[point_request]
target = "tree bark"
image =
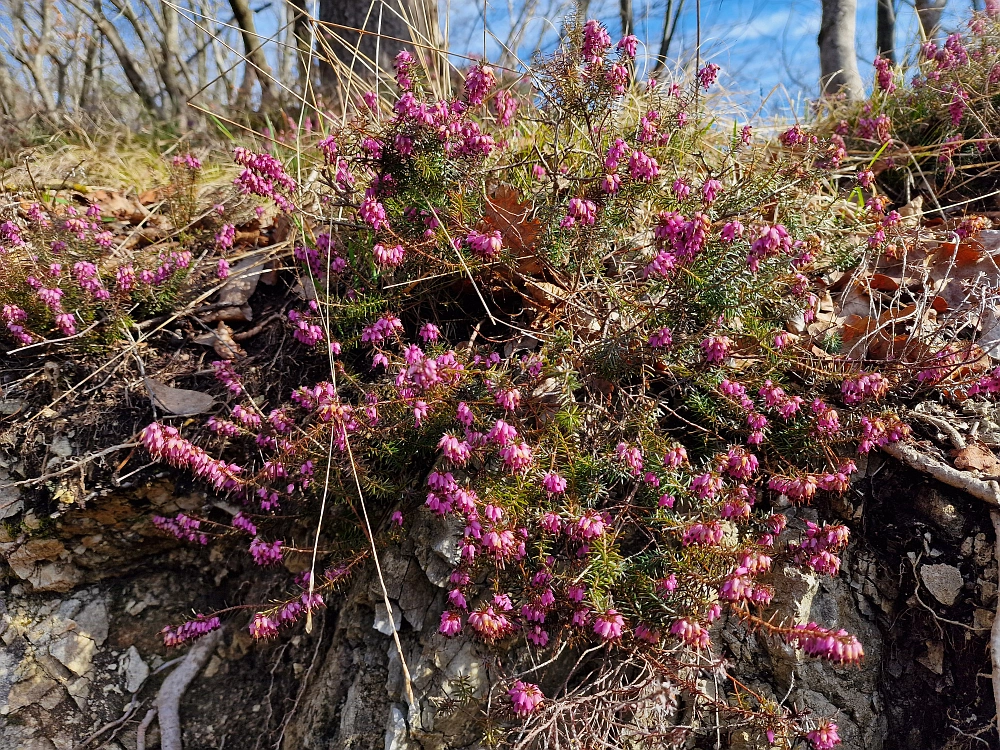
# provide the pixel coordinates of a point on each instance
(253, 47)
(670, 20)
(885, 30)
(837, 57)
(129, 66)
(388, 27)
(626, 15)
(929, 13)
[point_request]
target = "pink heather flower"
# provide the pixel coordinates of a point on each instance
(451, 623)
(508, 399)
(388, 256)
(616, 152)
(617, 77)
(489, 624)
(538, 172)
(464, 414)
(429, 332)
(675, 457)
(478, 84)
(485, 245)
(883, 75)
(824, 737)
(373, 213)
(222, 269)
(715, 348)
(225, 237)
(628, 45)
(668, 584)
(666, 501)
(551, 522)
(455, 450)
(703, 534)
(864, 386)
(710, 190)
(580, 210)
(866, 178)
(643, 167)
(596, 41)
(661, 339)
(691, 632)
(525, 697)
(517, 457)
(591, 525)
(66, 323)
(681, 188)
(837, 646)
(457, 599)
(708, 75)
(403, 65)
(189, 631)
(553, 483)
(957, 107)
(420, 410)
(647, 634)
(609, 625)
(397, 518)
(502, 433)
(506, 105)
(264, 553)
(732, 231)
(746, 135)
(611, 183)
(631, 456)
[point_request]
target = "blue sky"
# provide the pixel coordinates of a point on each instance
(760, 44)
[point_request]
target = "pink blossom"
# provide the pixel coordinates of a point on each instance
(608, 625)
(525, 697)
(388, 256)
(596, 41)
(485, 245)
(824, 737)
(661, 339)
(691, 632)
(451, 623)
(628, 45)
(478, 83)
(715, 348)
(643, 167)
(553, 483)
(708, 75)
(710, 190)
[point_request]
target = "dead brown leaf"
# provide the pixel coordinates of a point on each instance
(976, 457)
(180, 401)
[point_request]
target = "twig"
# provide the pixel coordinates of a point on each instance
(986, 490)
(168, 700)
(995, 631)
(110, 725)
(140, 732)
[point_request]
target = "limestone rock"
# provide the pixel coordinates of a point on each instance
(943, 581)
(134, 668)
(74, 651)
(382, 623)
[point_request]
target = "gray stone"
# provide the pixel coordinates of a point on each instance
(75, 651)
(396, 734)
(93, 621)
(10, 500)
(135, 669)
(382, 623)
(31, 692)
(943, 581)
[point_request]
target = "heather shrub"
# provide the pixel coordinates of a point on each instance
(571, 317)
(935, 135)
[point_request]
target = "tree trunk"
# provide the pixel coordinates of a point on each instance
(670, 19)
(885, 30)
(303, 40)
(837, 58)
(253, 47)
(626, 14)
(388, 26)
(929, 13)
